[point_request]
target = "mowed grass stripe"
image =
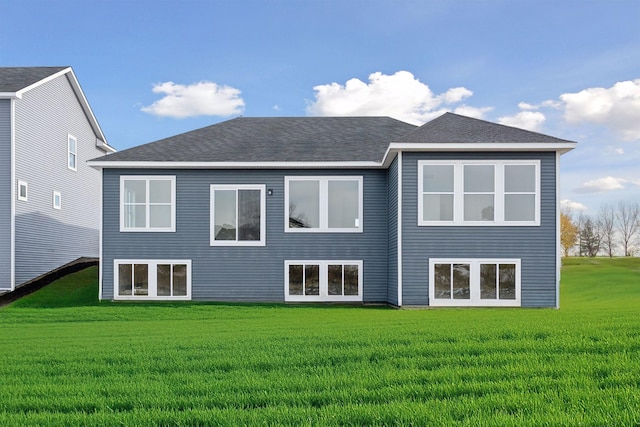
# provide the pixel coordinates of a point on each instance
(81, 362)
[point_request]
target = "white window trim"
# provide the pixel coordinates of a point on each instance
(474, 301)
(153, 284)
(324, 205)
(263, 215)
(57, 206)
(499, 193)
(69, 152)
(26, 191)
(323, 294)
(147, 228)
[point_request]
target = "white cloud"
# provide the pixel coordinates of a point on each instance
(531, 120)
(614, 150)
(198, 99)
(602, 184)
(572, 206)
(399, 95)
(617, 107)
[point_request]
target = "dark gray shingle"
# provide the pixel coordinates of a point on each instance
(12, 79)
(454, 128)
(276, 139)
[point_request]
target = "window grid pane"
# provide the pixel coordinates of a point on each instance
(343, 201)
(125, 279)
(461, 283)
(335, 280)
(248, 215)
(296, 279)
(304, 204)
(141, 279)
(442, 279)
(437, 192)
(179, 278)
(163, 278)
(225, 214)
(507, 281)
(312, 279)
(488, 281)
(351, 279)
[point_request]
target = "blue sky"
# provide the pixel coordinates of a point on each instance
(152, 69)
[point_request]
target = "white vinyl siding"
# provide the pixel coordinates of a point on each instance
(505, 192)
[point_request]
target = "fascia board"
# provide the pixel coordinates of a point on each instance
(43, 81)
(87, 108)
(234, 165)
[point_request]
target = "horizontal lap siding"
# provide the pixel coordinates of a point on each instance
(246, 273)
(392, 209)
(47, 238)
(5, 194)
(536, 246)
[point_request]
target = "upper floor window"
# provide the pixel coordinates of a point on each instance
(72, 153)
(23, 191)
(479, 192)
(148, 203)
(57, 200)
(237, 215)
(325, 204)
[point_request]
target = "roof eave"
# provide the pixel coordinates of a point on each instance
(395, 147)
(123, 164)
(10, 95)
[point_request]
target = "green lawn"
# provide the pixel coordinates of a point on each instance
(69, 360)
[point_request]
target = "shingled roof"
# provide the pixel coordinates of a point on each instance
(457, 129)
(246, 140)
(13, 79)
(276, 139)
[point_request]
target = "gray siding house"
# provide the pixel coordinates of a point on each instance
(49, 197)
(457, 212)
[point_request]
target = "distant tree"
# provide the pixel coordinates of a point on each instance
(628, 222)
(579, 223)
(590, 238)
(568, 232)
(607, 225)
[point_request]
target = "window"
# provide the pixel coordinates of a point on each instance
(160, 280)
(238, 215)
(72, 152)
(474, 282)
(479, 192)
(23, 191)
(148, 203)
(324, 204)
(57, 200)
(323, 281)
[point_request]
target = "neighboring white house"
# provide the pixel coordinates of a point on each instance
(49, 197)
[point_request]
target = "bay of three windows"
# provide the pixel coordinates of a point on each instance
(478, 193)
